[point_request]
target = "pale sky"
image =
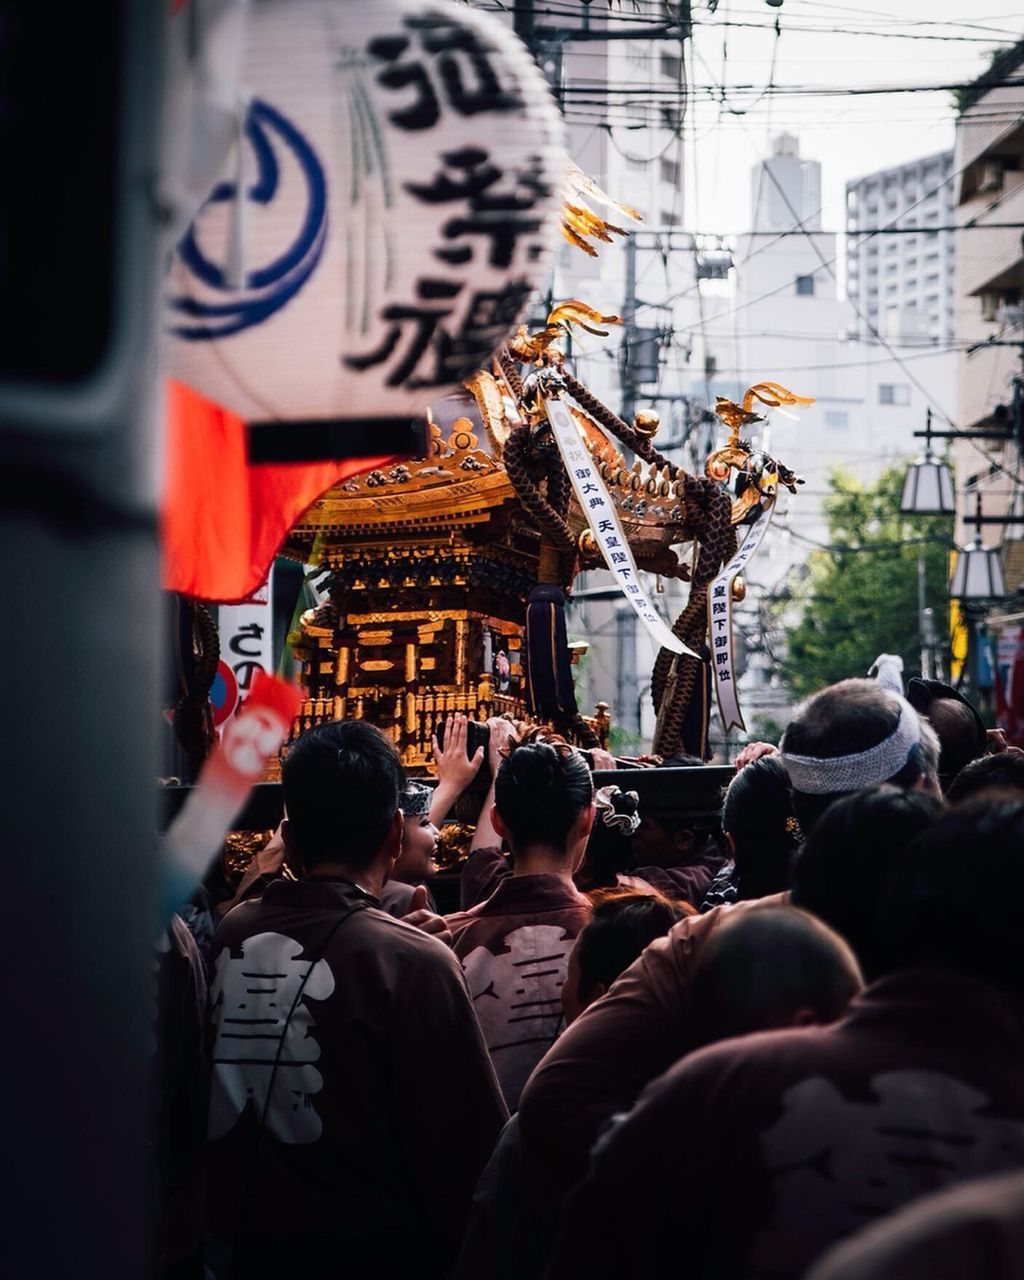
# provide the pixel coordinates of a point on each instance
(850, 135)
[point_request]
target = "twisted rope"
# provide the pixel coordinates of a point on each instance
(520, 463)
(510, 371)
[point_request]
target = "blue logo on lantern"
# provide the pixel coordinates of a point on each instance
(269, 287)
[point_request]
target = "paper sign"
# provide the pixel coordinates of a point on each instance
(720, 622)
(596, 504)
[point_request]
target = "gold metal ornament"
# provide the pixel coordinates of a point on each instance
(758, 475)
(646, 423)
(580, 224)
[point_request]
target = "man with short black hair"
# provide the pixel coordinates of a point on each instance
(1001, 772)
(961, 730)
(811, 978)
(353, 1104)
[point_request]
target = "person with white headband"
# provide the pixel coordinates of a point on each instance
(852, 735)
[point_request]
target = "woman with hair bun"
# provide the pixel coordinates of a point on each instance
(515, 946)
(760, 827)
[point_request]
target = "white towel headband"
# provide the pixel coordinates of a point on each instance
(827, 775)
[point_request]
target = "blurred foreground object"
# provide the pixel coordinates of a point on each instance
(236, 764)
(79, 134)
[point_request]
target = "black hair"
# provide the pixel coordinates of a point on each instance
(762, 967)
(842, 871)
(757, 811)
(622, 925)
(609, 850)
(540, 791)
(932, 916)
(1001, 772)
(341, 784)
(960, 728)
(844, 719)
(954, 722)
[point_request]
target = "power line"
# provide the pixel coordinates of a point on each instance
(714, 92)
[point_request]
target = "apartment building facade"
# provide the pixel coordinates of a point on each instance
(900, 282)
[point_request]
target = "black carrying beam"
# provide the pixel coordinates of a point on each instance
(336, 439)
(689, 795)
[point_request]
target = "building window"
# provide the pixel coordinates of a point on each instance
(670, 171)
(836, 418)
(894, 393)
(670, 65)
(669, 219)
(805, 286)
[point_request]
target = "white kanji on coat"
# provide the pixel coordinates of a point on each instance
(836, 1163)
(517, 996)
(258, 1045)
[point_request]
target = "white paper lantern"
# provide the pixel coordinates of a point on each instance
(400, 172)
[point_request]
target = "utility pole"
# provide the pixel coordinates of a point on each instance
(925, 622)
(629, 334)
(78, 438)
(524, 22)
(627, 684)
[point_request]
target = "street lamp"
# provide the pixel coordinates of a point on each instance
(928, 486)
(978, 572)
(977, 581)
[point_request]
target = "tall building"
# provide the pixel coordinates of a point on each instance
(785, 191)
(902, 284)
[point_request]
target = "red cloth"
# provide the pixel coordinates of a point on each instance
(1009, 689)
(224, 520)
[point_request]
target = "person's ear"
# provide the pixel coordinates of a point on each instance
(498, 823)
(804, 1018)
(392, 845)
(288, 840)
(580, 834)
(731, 843)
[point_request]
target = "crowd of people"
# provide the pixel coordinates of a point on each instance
(789, 1046)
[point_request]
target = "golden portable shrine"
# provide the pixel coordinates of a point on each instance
(447, 576)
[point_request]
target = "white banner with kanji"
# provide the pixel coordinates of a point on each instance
(596, 504)
(720, 622)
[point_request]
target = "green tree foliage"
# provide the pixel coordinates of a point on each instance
(860, 597)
